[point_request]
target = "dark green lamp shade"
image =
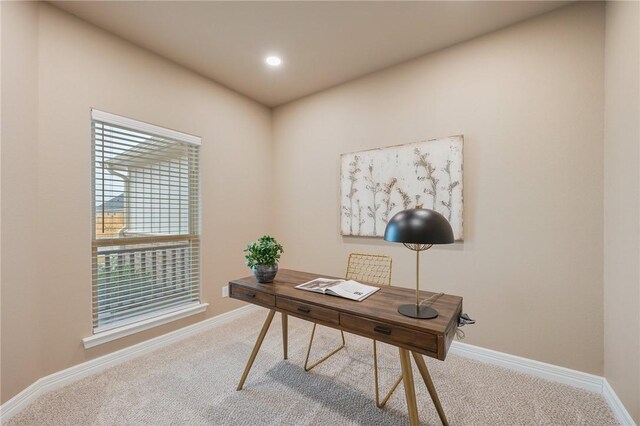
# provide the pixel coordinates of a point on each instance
(419, 226)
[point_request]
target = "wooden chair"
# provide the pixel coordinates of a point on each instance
(365, 268)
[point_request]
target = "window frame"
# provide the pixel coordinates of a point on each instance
(108, 332)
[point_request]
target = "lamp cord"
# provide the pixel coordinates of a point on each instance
(431, 299)
(463, 319)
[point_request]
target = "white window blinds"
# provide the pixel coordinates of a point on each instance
(145, 251)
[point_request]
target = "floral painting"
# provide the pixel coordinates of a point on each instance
(378, 183)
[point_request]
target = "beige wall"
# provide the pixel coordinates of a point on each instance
(622, 203)
(46, 180)
(529, 101)
(20, 307)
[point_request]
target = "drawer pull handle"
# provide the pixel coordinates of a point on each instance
(303, 309)
(383, 330)
(250, 295)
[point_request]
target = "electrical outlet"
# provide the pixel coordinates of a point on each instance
(225, 291)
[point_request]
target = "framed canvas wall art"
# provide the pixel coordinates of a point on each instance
(375, 184)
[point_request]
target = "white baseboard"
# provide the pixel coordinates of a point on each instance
(551, 372)
(616, 405)
(528, 366)
(77, 372)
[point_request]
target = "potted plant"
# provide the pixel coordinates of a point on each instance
(262, 257)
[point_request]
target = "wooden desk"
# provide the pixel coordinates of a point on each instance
(376, 318)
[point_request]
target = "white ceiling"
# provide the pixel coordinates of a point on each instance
(321, 43)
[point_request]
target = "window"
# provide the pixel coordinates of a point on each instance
(145, 250)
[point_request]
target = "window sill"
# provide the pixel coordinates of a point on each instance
(129, 329)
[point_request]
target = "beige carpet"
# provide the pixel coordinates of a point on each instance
(193, 383)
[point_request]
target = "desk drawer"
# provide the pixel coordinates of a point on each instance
(253, 296)
(307, 311)
(389, 333)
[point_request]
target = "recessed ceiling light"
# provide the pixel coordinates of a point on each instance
(273, 61)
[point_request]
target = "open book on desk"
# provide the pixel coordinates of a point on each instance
(342, 288)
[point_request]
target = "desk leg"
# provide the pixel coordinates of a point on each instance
(285, 335)
(409, 389)
(256, 348)
(424, 371)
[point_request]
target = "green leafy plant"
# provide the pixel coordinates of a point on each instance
(265, 251)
